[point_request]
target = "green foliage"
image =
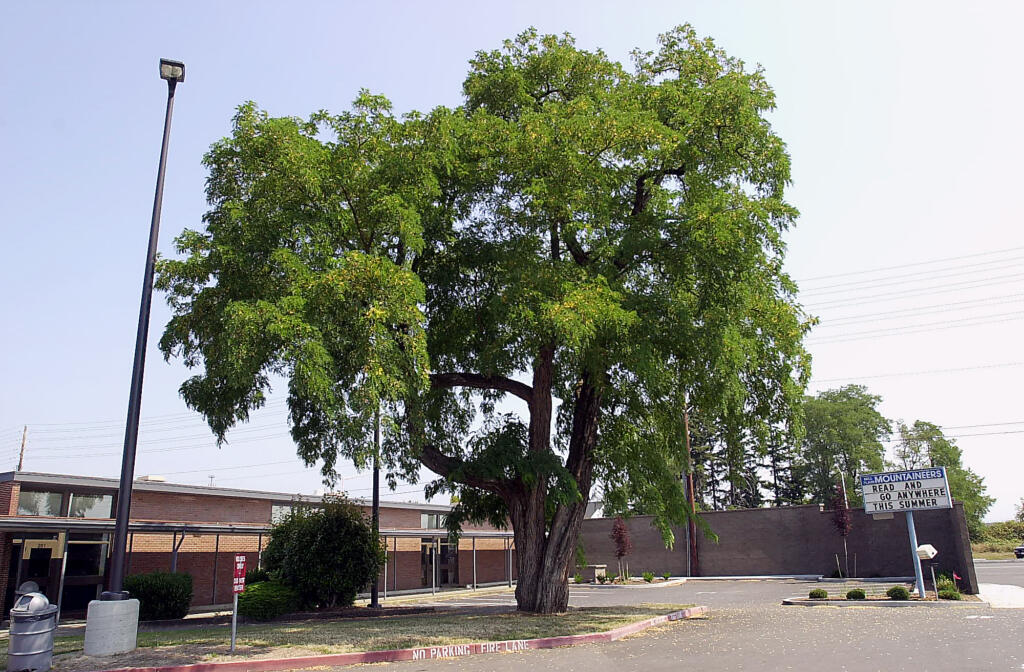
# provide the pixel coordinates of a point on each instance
(648, 576)
(855, 594)
(1020, 511)
(666, 575)
(578, 578)
(161, 595)
(601, 579)
(1009, 531)
(615, 234)
(267, 600)
(818, 594)
(613, 577)
(945, 582)
(326, 554)
(923, 445)
(255, 575)
(898, 593)
(950, 594)
(581, 553)
(843, 428)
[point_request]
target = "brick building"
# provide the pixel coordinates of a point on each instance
(56, 530)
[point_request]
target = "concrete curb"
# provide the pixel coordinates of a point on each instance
(760, 577)
(426, 652)
(941, 604)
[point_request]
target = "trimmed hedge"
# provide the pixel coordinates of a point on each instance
(856, 594)
(161, 595)
(267, 600)
(818, 594)
(898, 593)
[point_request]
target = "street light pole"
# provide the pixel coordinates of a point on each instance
(173, 72)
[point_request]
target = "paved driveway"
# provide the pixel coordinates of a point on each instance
(750, 630)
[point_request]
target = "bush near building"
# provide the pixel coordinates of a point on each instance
(267, 600)
(325, 554)
(161, 595)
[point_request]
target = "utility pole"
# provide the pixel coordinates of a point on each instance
(21, 456)
(374, 599)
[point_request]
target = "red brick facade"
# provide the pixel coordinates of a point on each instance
(208, 557)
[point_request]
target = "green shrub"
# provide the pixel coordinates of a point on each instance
(898, 593)
(613, 577)
(601, 578)
(161, 595)
(266, 600)
(326, 554)
(648, 576)
(856, 594)
(949, 594)
(818, 594)
(666, 576)
(1010, 530)
(946, 583)
(578, 578)
(254, 576)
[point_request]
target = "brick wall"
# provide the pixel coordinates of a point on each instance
(791, 540)
(167, 506)
(9, 492)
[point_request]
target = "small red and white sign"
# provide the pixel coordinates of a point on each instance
(239, 582)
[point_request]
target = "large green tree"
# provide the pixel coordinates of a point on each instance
(844, 435)
(585, 245)
(923, 444)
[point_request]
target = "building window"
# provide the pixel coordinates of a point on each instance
(40, 503)
(278, 512)
(432, 521)
(91, 506)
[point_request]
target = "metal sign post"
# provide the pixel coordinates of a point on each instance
(907, 491)
(912, 531)
(237, 586)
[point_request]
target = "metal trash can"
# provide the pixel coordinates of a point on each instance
(33, 622)
(26, 588)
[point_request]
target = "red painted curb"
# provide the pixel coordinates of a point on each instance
(423, 652)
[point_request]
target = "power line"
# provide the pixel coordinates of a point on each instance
(961, 285)
(937, 274)
(918, 373)
(917, 329)
(921, 310)
(913, 264)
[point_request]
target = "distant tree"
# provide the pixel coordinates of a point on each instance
(1020, 511)
(623, 544)
(843, 430)
(923, 444)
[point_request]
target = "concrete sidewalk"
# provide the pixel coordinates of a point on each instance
(1001, 596)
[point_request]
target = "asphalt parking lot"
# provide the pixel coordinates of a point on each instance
(749, 629)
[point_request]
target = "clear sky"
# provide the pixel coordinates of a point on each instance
(903, 121)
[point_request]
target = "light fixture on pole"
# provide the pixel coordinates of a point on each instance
(114, 622)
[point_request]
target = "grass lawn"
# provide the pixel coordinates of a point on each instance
(301, 638)
(994, 555)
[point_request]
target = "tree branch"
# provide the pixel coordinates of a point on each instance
(446, 466)
(475, 380)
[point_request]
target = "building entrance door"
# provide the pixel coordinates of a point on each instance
(84, 570)
(443, 558)
(35, 557)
